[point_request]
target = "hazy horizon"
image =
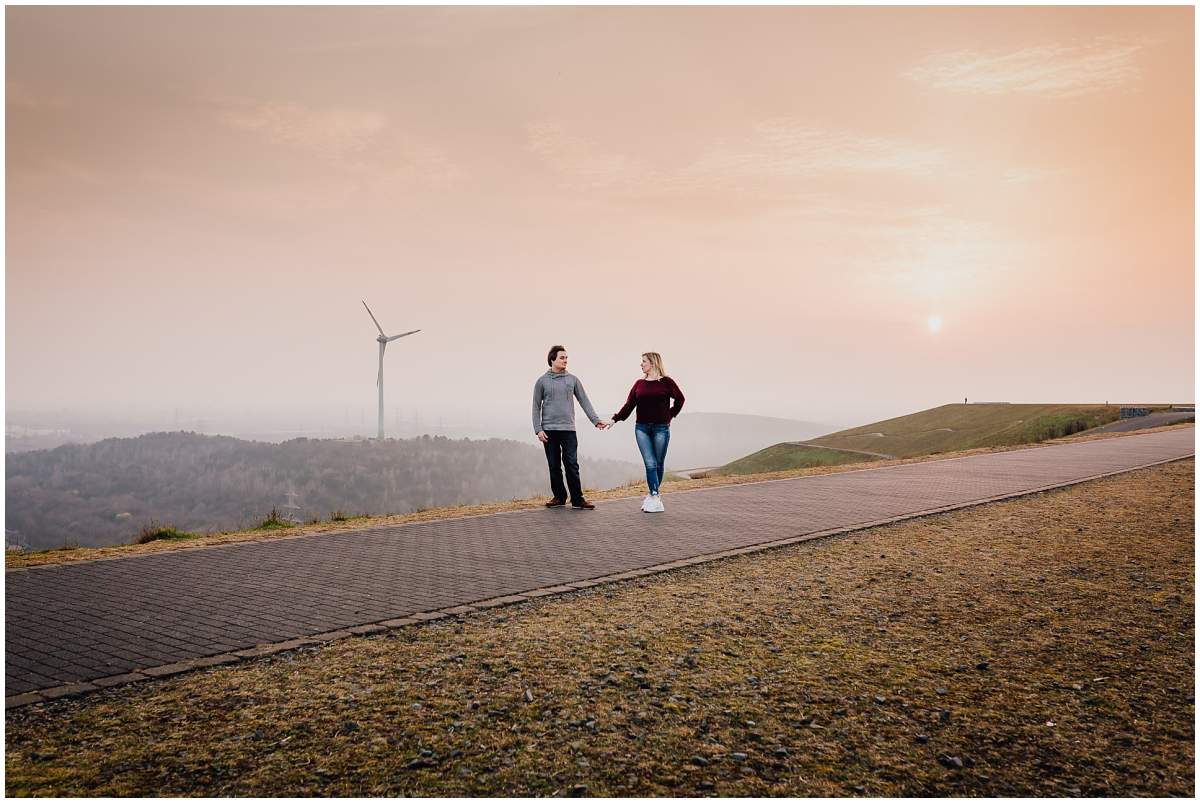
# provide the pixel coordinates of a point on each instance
(836, 215)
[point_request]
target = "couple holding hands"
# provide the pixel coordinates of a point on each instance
(554, 397)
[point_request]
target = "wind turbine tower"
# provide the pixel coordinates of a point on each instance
(383, 340)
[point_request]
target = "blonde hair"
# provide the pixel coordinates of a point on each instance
(656, 360)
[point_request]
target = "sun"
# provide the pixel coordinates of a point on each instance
(935, 324)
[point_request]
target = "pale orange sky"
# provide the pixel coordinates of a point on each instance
(777, 199)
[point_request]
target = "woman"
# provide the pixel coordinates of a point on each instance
(652, 396)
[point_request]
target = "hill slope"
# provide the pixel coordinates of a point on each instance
(949, 428)
(954, 427)
(784, 456)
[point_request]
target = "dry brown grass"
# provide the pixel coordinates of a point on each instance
(1046, 643)
(72, 555)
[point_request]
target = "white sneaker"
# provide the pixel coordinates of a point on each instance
(656, 505)
(647, 505)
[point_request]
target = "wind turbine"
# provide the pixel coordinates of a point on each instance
(383, 341)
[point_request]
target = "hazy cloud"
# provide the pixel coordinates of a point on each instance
(927, 252)
(435, 27)
(578, 160)
(344, 46)
(19, 93)
(1051, 70)
(59, 171)
(361, 142)
(1027, 175)
(431, 165)
(785, 147)
(333, 133)
(770, 151)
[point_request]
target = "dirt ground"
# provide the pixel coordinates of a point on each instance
(70, 555)
(1040, 646)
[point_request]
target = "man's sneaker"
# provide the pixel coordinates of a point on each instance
(647, 507)
(583, 504)
(556, 503)
(656, 505)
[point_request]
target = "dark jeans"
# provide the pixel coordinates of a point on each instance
(562, 451)
(652, 440)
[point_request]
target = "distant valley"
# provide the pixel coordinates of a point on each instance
(104, 493)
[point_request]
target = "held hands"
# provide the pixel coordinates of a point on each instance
(544, 438)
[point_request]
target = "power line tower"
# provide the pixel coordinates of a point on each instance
(293, 511)
(14, 541)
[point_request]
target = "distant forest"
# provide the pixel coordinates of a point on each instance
(104, 493)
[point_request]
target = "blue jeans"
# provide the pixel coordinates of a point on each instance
(652, 440)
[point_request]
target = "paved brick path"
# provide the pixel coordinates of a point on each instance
(115, 620)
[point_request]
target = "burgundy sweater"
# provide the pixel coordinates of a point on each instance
(653, 401)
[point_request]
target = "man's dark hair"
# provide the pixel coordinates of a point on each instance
(554, 350)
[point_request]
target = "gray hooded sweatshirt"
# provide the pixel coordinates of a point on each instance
(554, 398)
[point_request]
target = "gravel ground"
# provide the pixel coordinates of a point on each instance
(1041, 646)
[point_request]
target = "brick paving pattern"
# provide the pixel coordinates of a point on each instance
(84, 622)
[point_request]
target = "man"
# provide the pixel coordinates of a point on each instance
(554, 397)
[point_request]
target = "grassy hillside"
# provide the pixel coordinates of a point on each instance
(784, 456)
(950, 428)
(954, 427)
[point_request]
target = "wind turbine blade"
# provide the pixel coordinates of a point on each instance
(406, 334)
(377, 326)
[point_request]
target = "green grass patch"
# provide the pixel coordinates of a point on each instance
(784, 456)
(1049, 426)
(162, 532)
(275, 522)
